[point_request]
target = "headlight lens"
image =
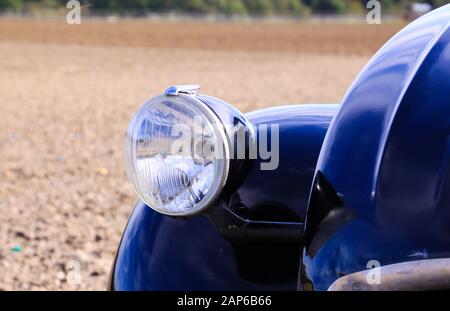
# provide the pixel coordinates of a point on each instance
(177, 154)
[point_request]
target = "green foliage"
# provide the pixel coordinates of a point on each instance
(262, 7)
(231, 7)
(291, 7)
(259, 6)
(194, 6)
(329, 6)
(10, 4)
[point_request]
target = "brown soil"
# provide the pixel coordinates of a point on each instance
(68, 92)
(359, 39)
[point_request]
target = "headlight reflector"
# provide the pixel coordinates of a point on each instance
(177, 154)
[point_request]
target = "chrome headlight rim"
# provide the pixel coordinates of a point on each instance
(221, 166)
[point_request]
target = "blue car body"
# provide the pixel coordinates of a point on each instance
(366, 181)
(160, 252)
(386, 159)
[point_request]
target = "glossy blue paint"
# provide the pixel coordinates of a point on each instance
(385, 160)
(159, 252)
(302, 129)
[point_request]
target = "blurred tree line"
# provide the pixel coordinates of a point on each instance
(243, 7)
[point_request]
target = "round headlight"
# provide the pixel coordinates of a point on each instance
(177, 153)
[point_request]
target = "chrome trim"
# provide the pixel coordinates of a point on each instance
(426, 274)
(190, 89)
(219, 181)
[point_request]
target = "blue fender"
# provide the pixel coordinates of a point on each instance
(382, 184)
(159, 252)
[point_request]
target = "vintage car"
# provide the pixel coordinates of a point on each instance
(353, 196)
